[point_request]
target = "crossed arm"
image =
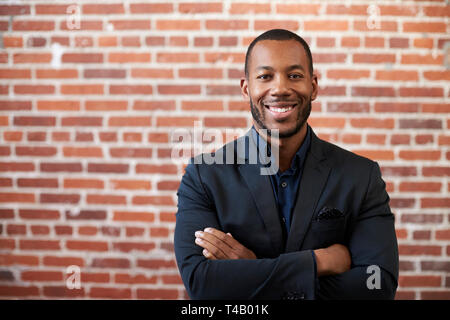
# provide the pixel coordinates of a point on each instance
(220, 267)
(217, 245)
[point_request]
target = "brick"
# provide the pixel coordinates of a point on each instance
(16, 229)
(347, 74)
(33, 25)
(86, 215)
(421, 92)
(79, 89)
(435, 295)
(153, 200)
(133, 216)
(373, 58)
(397, 75)
(37, 182)
(435, 202)
(110, 293)
(433, 27)
(420, 124)
(373, 91)
(134, 279)
(86, 245)
(413, 58)
(151, 8)
(111, 8)
(15, 105)
(154, 105)
(41, 276)
(111, 263)
(133, 246)
(419, 155)
(63, 105)
(193, 7)
(34, 89)
(63, 292)
(419, 281)
(375, 154)
(327, 122)
(225, 122)
(419, 250)
(443, 235)
(130, 152)
(130, 89)
(278, 24)
(325, 25)
(420, 187)
(17, 197)
(361, 25)
(15, 73)
(287, 8)
(82, 58)
(61, 167)
(138, 24)
(39, 244)
(105, 199)
(119, 57)
(129, 121)
(157, 294)
(15, 259)
(104, 73)
(179, 89)
(155, 168)
(227, 24)
(39, 214)
(155, 73)
(106, 105)
(372, 123)
(9, 10)
(396, 107)
(130, 184)
(19, 291)
(108, 168)
(177, 57)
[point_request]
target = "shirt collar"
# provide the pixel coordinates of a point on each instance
(300, 155)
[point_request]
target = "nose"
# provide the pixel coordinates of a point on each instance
(280, 86)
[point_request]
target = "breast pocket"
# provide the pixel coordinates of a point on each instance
(328, 232)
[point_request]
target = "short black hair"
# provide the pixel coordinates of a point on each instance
(278, 34)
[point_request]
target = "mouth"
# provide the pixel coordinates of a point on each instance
(280, 110)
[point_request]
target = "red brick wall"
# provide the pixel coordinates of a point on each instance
(86, 116)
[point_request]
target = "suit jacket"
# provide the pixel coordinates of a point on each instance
(236, 198)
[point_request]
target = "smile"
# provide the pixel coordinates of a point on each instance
(280, 109)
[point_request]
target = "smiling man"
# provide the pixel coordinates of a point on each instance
(320, 227)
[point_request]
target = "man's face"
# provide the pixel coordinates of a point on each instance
(279, 86)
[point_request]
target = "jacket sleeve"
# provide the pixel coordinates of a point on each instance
(290, 273)
(372, 243)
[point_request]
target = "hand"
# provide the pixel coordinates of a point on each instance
(218, 245)
(332, 260)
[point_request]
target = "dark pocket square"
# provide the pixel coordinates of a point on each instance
(328, 213)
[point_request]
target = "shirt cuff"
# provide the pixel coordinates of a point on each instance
(316, 279)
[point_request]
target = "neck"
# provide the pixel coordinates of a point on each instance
(287, 147)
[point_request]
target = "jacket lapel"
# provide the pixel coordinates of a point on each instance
(261, 190)
(315, 174)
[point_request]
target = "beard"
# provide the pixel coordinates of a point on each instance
(301, 119)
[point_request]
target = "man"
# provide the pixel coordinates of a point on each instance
(320, 227)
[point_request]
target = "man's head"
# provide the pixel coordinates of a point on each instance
(279, 82)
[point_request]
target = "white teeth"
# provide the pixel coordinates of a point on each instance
(280, 110)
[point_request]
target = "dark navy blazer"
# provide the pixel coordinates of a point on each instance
(236, 198)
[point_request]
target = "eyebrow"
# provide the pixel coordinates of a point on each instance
(292, 67)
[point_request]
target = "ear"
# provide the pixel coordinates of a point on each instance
(244, 87)
(315, 87)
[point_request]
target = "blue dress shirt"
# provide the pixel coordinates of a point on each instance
(285, 184)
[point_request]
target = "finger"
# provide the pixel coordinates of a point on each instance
(216, 241)
(229, 234)
(208, 255)
(229, 240)
(214, 250)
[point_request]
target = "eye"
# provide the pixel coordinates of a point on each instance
(263, 77)
(295, 76)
